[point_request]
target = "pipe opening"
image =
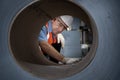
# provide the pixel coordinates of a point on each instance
(73, 44)
(25, 30)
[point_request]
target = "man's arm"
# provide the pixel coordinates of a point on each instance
(47, 48)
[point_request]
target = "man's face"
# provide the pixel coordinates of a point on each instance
(57, 27)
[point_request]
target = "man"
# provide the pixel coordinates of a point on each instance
(50, 35)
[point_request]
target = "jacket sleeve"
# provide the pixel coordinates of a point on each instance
(47, 48)
(43, 34)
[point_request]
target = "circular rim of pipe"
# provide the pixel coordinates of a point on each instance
(65, 68)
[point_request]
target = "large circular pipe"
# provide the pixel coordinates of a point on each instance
(24, 32)
(104, 66)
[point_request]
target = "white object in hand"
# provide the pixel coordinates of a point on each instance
(71, 60)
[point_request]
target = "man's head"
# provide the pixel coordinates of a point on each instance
(62, 23)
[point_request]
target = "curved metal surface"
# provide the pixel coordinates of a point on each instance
(105, 65)
(24, 33)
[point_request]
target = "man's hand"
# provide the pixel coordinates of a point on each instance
(61, 39)
(70, 60)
